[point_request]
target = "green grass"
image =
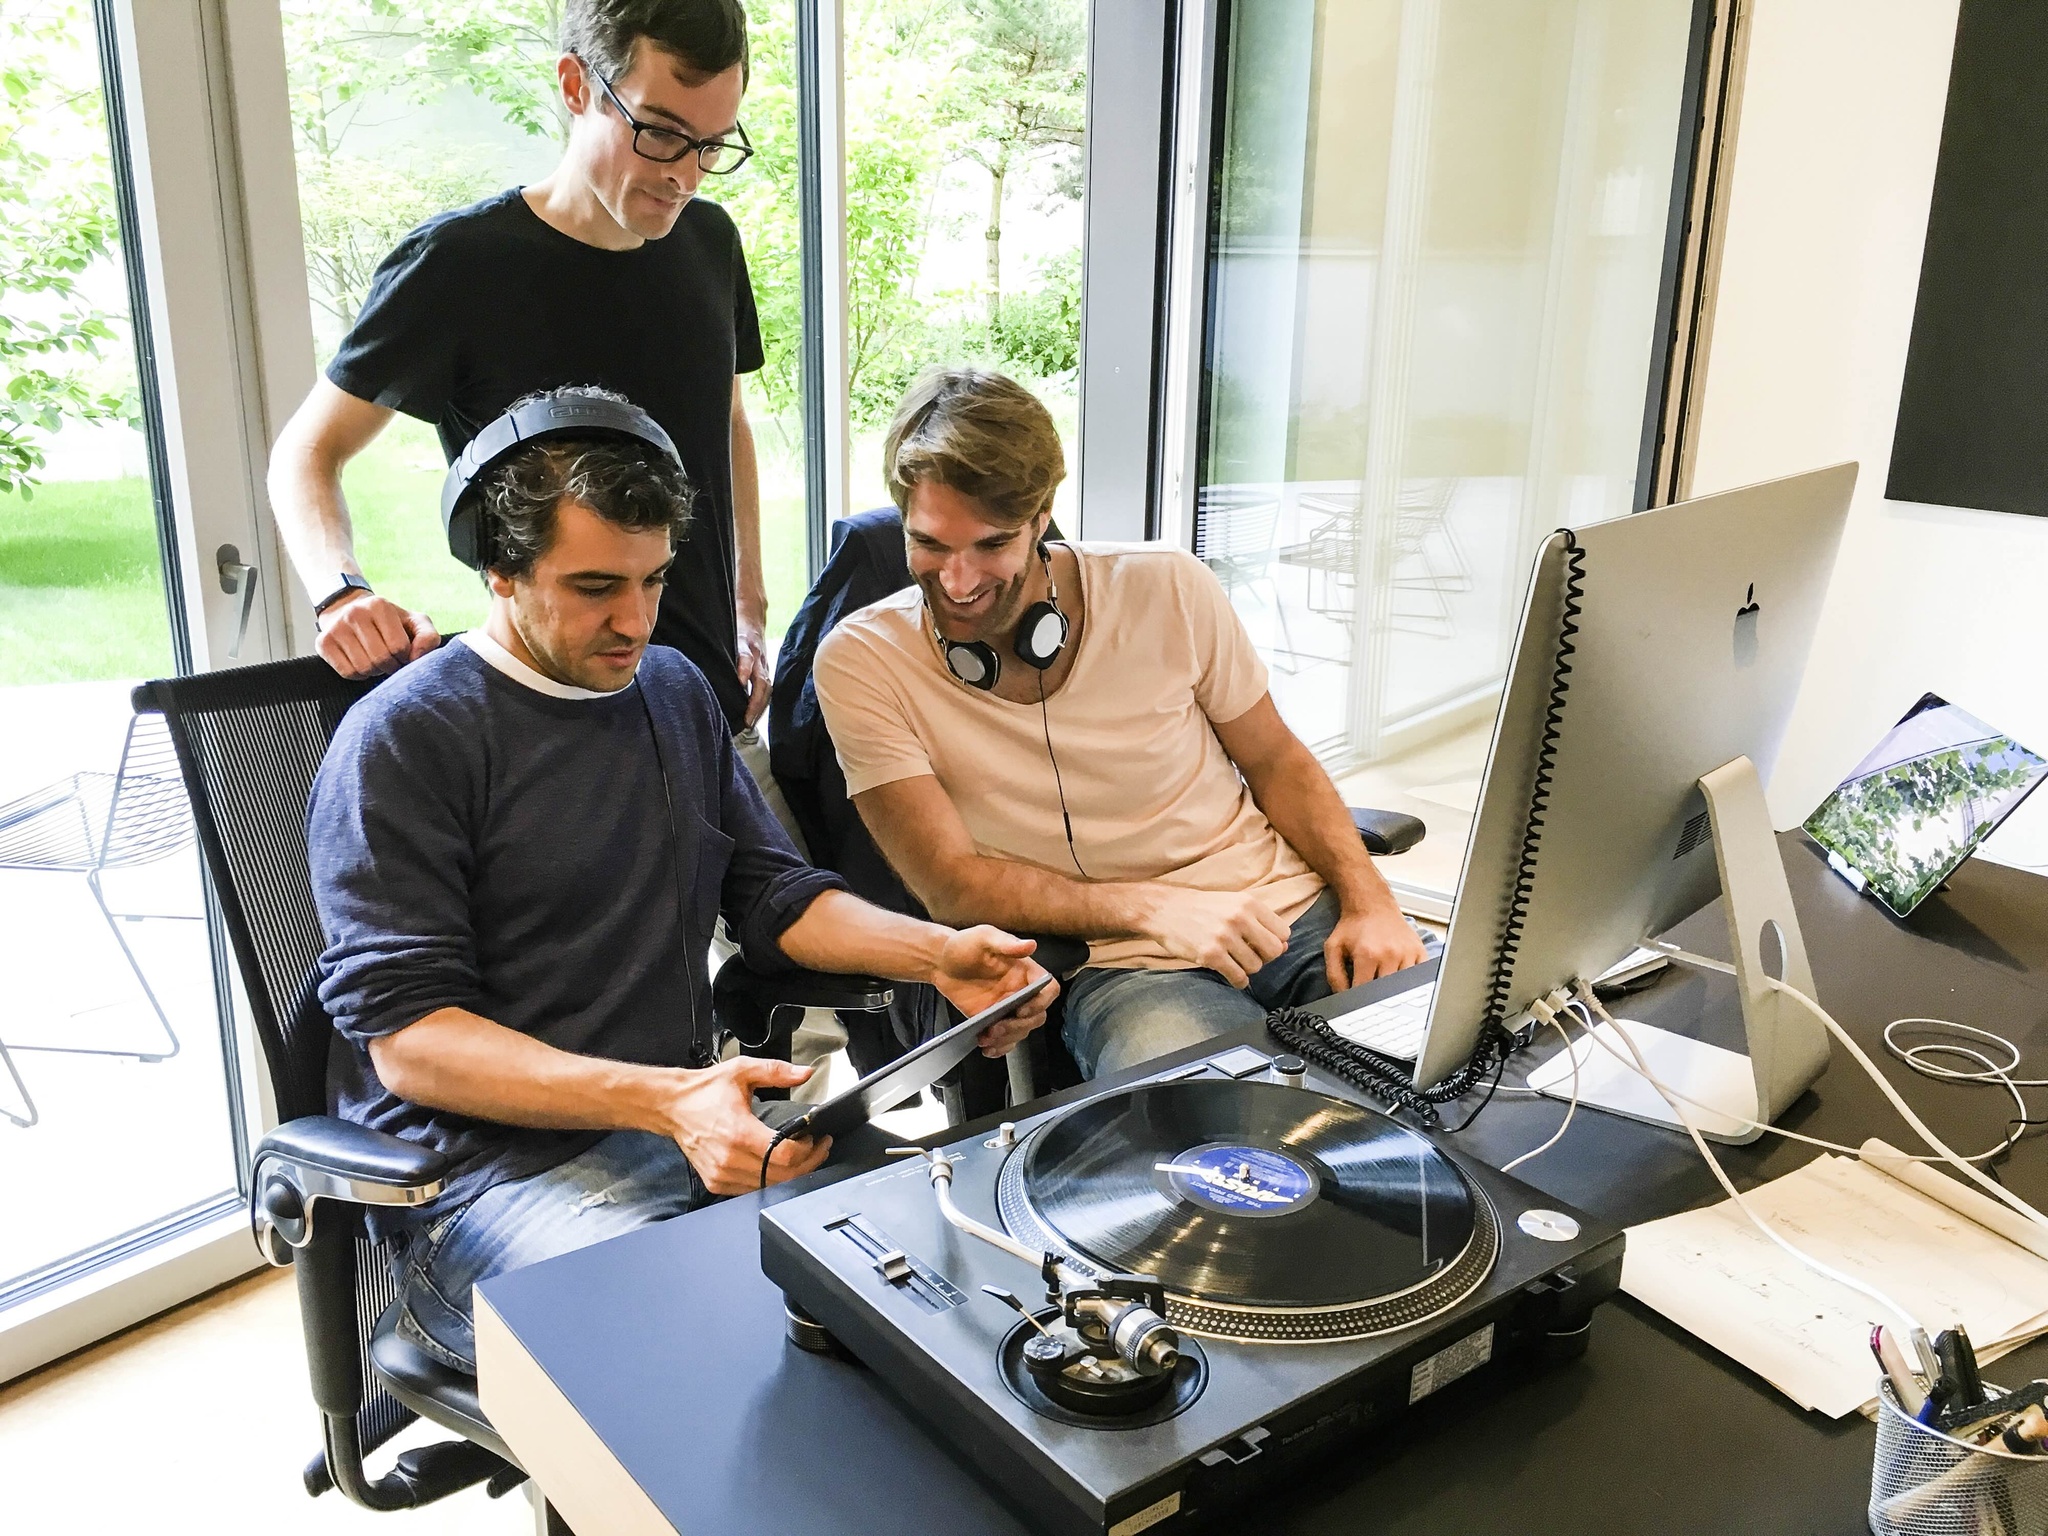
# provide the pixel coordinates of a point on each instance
(81, 585)
(81, 589)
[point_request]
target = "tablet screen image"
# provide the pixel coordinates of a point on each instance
(1920, 803)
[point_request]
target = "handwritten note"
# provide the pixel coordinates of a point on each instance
(1711, 1272)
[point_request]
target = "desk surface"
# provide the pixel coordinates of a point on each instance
(646, 1381)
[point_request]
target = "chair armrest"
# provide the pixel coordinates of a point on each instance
(736, 981)
(320, 1157)
(341, 1160)
(1060, 953)
(1387, 832)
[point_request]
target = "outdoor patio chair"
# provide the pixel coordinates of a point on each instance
(87, 824)
(248, 744)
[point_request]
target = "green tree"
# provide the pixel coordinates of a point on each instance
(57, 220)
(353, 59)
(1022, 92)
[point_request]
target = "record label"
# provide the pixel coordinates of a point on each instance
(1239, 1180)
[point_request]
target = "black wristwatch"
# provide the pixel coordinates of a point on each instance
(349, 583)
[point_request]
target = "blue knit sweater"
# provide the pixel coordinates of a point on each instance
(478, 844)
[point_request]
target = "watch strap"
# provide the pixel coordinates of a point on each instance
(349, 583)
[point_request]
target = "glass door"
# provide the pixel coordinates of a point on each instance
(118, 1127)
(1439, 233)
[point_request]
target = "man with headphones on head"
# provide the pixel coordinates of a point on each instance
(1077, 739)
(612, 271)
(519, 847)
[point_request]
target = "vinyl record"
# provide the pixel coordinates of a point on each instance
(1249, 1194)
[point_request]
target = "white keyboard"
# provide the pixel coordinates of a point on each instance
(1393, 1026)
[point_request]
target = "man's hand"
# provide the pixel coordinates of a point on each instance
(1230, 932)
(365, 635)
(1371, 943)
(753, 662)
(978, 968)
(711, 1116)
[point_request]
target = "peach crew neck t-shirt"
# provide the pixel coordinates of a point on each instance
(1152, 793)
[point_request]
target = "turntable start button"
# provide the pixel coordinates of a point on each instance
(1549, 1226)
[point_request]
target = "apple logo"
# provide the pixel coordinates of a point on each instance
(1745, 629)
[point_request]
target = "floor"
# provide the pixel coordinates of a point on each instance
(1439, 782)
(197, 1421)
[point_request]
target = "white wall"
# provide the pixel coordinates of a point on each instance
(1841, 121)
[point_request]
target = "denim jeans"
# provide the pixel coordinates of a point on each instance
(630, 1180)
(1118, 1018)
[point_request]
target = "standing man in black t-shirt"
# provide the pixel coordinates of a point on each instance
(609, 272)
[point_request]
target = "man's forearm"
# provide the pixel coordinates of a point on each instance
(466, 1064)
(1024, 898)
(1304, 807)
(312, 518)
(746, 520)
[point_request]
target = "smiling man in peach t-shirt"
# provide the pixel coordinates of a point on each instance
(1077, 739)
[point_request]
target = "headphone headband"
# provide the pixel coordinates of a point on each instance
(563, 413)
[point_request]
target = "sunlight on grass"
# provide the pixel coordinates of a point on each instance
(81, 590)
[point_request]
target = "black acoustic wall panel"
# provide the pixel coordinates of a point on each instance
(1973, 412)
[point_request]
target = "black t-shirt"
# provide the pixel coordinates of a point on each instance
(478, 307)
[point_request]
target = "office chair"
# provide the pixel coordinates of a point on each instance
(866, 563)
(248, 743)
(87, 824)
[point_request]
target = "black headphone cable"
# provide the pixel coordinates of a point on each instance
(1066, 820)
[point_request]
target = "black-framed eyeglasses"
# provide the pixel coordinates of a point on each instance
(651, 141)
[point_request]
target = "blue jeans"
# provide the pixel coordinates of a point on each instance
(630, 1180)
(1118, 1018)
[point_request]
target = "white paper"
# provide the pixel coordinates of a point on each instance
(1711, 1272)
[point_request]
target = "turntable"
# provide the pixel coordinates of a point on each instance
(1131, 1311)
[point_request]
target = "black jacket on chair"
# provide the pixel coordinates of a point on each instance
(865, 566)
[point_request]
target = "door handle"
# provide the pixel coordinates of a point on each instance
(237, 577)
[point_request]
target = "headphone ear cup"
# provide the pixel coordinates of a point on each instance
(466, 534)
(1041, 635)
(973, 662)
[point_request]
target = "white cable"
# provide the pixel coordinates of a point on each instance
(1992, 1073)
(1570, 1109)
(1817, 1141)
(1829, 1271)
(1955, 1159)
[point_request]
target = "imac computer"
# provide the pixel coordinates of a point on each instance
(1656, 668)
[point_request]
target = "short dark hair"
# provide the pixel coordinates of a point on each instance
(632, 484)
(707, 36)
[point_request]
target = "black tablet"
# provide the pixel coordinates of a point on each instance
(908, 1074)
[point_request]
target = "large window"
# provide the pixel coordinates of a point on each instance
(1439, 233)
(962, 146)
(964, 161)
(113, 1086)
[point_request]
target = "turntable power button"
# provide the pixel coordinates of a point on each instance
(1290, 1070)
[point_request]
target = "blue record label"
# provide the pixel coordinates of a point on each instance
(1239, 1180)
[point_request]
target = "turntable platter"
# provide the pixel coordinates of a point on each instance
(1252, 1195)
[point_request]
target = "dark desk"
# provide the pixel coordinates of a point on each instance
(647, 1385)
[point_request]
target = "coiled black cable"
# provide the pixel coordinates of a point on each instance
(1503, 977)
(1390, 1079)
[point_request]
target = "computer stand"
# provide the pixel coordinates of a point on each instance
(1727, 1095)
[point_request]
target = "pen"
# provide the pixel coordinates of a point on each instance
(1912, 1397)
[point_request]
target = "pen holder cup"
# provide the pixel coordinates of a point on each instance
(1926, 1483)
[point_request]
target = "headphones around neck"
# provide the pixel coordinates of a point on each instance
(560, 413)
(1041, 636)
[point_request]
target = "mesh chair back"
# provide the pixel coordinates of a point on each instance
(248, 743)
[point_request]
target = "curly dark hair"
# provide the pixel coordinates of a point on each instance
(623, 481)
(707, 37)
